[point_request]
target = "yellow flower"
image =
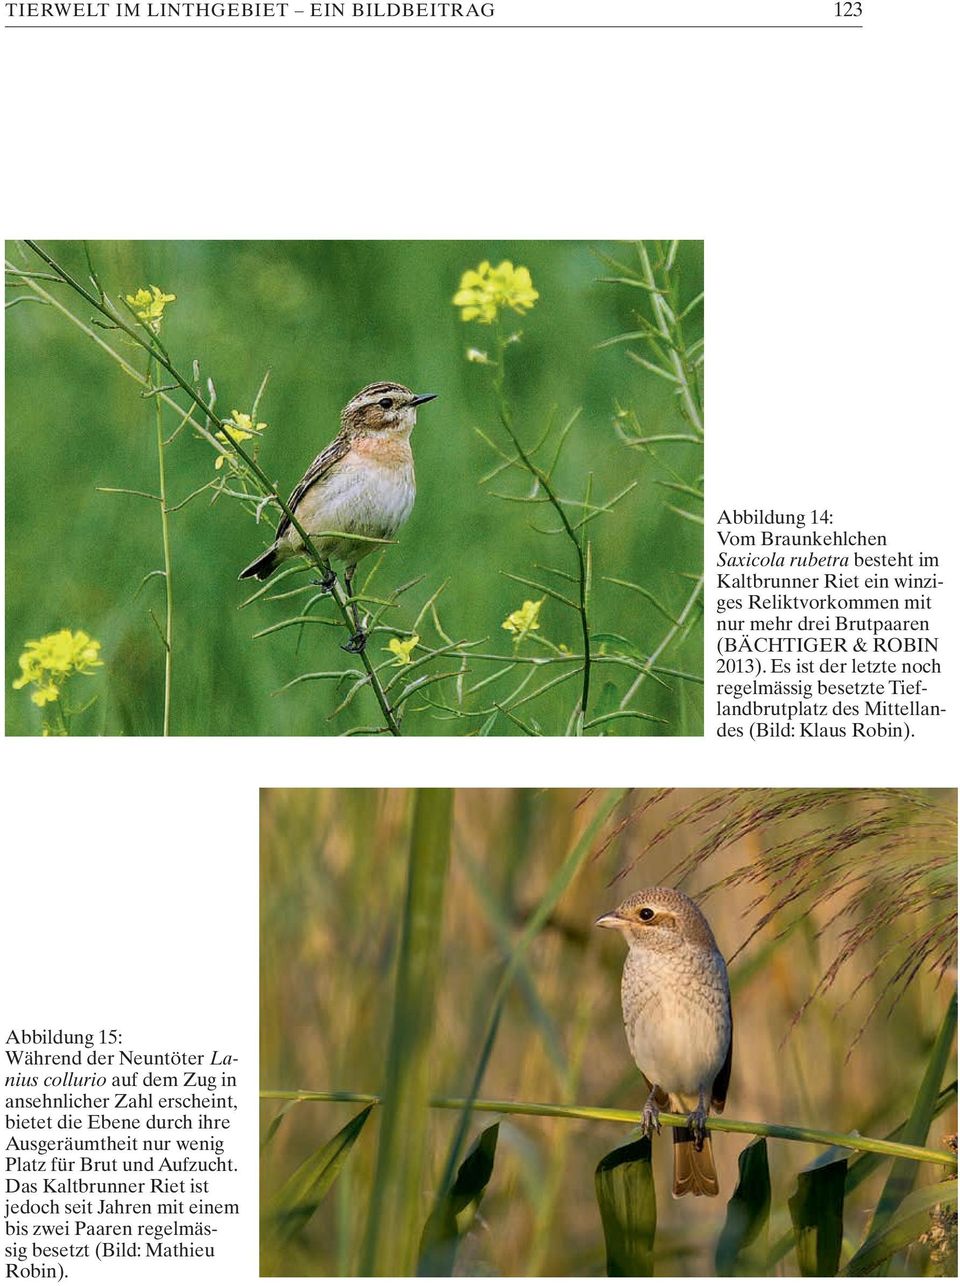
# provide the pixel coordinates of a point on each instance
(524, 619)
(46, 663)
(484, 290)
(48, 692)
(149, 305)
(401, 649)
(241, 427)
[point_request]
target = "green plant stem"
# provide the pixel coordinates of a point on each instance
(556, 1167)
(393, 1225)
(791, 1133)
(902, 1176)
(663, 644)
(63, 717)
(506, 419)
(160, 357)
(571, 657)
(167, 571)
(677, 354)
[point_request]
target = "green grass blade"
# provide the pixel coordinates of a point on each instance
(275, 1124)
(555, 891)
(393, 1227)
(443, 1230)
(903, 1173)
(503, 931)
(863, 1165)
(908, 1222)
(628, 1209)
(747, 1214)
(297, 1201)
(816, 1209)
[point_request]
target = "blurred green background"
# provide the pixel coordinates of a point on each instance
(326, 318)
(870, 870)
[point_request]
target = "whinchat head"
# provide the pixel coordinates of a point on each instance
(387, 409)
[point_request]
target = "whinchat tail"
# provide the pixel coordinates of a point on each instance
(361, 485)
(676, 1012)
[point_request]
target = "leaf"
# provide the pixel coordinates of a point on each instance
(275, 1124)
(628, 1209)
(627, 584)
(502, 925)
(628, 335)
(626, 281)
(903, 1172)
(616, 644)
(25, 299)
(682, 488)
(441, 1234)
(297, 1201)
(908, 1222)
(622, 714)
(149, 576)
(684, 513)
(394, 1215)
(865, 1163)
(535, 923)
(747, 1214)
(816, 1209)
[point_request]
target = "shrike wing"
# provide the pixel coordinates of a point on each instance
(718, 1095)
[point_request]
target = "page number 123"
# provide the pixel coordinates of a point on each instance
(848, 9)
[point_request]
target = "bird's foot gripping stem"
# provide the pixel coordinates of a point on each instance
(356, 642)
(697, 1124)
(651, 1115)
(327, 580)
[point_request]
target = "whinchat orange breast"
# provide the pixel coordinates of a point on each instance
(676, 1012)
(361, 485)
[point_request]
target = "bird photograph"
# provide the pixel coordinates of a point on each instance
(468, 1074)
(676, 1014)
(500, 532)
(359, 489)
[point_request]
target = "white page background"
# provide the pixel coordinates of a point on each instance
(130, 874)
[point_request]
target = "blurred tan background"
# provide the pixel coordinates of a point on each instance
(333, 875)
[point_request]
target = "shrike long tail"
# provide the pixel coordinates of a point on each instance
(694, 1171)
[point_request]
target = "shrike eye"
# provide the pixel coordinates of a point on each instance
(647, 913)
(386, 403)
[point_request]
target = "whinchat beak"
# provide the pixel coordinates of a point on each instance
(422, 397)
(609, 921)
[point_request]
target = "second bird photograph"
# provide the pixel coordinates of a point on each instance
(625, 1032)
(375, 488)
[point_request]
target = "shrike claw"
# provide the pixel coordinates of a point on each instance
(651, 1118)
(697, 1124)
(356, 643)
(327, 580)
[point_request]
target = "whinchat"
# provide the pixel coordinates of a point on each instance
(361, 485)
(676, 1012)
